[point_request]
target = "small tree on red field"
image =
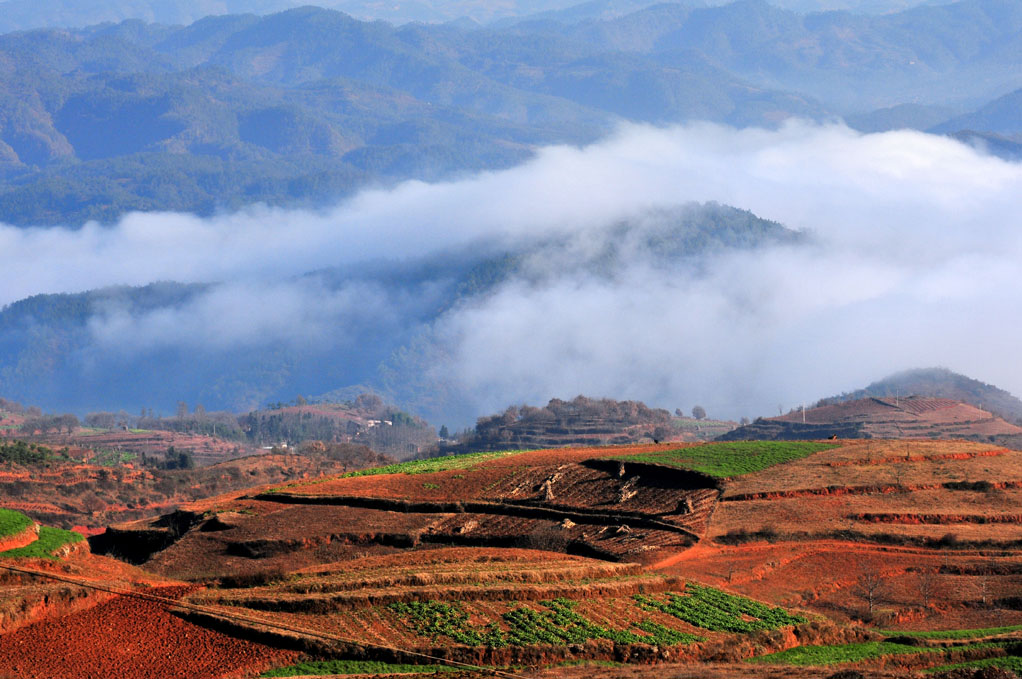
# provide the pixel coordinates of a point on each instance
(870, 585)
(927, 585)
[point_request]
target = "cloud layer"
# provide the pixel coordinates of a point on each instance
(915, 261)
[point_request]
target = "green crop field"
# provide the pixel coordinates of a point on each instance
(557, 623)
(50, 540)
(954, 633)
(107, 457)
(332, 667)
(849, 653)
(12, 522)
(435, 464)
(717, 611)
(732, 458)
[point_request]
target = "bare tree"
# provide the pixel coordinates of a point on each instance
(984, 589)
(731, 566)
(927, 585)
(870, 585)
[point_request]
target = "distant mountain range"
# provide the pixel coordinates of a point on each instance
(18, 15)
(305, 106)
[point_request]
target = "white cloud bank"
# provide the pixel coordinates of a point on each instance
(917, 262)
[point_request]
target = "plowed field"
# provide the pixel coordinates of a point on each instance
(130, 638)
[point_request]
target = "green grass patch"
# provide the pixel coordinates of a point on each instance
(731, 458)
(12, 522)
(954, 633)
(844, 653)
(435, 464)
(717, 611)
(320, 667)
(108, 457)
(557, 623)
(50, 540)
(1011, 662)
(850, 653)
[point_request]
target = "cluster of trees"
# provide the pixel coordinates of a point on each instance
(45, 424)
(218, 423)
(20, 452)
(615, 414)
(351, 455)
(563, 422)
(277, 426)
(15, 408)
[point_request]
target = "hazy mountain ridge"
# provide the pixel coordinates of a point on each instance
(305, 106)
(60, 351)
(18, 15)
(939, 383)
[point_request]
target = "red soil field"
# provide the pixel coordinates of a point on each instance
(866, 463)
(131, 638)
(19, 539)
(822, 577)
(476, 482)
(350, 559)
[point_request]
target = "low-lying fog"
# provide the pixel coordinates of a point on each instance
(914, 260)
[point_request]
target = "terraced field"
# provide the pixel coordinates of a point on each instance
(722, 552)
(498, 607)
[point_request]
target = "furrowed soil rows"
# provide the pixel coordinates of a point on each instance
(930, 513)
(150, 644)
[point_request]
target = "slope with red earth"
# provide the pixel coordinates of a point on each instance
(131, 638)
(802, 534)
(356, 543)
